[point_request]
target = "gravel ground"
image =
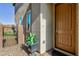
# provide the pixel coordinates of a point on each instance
(12, 51)
(17, 51)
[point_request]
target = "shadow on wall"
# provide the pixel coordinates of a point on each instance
(35, 12)
(36, 20)
(46, 23)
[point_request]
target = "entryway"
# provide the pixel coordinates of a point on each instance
(65, 27)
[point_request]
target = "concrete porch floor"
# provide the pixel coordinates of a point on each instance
(17, 51)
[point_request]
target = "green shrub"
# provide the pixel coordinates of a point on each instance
(9, 33)
(30, 39)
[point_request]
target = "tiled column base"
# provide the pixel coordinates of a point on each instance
(20, 35)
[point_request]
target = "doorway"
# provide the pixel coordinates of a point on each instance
(65, 27)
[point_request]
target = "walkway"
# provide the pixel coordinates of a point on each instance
(12, 51)
(16, 51)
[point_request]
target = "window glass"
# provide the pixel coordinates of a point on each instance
(28, 18)
(21, 20)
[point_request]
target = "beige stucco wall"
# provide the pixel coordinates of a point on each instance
(46, 41)
(42, 26)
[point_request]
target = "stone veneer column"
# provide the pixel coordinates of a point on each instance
(20, 35)
(1, 37)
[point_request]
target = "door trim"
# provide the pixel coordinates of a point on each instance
(76, 47)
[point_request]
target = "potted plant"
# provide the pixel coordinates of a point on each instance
(31, 43)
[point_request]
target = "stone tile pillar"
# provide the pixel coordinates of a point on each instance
(20, 35)
(1, 37)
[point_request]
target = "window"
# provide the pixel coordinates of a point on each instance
(21, 20)
(28, 19)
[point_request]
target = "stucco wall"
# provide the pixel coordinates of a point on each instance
(46, 41)
(17, 6)
(36, 20)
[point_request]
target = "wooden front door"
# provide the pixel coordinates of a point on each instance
(65, 27)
